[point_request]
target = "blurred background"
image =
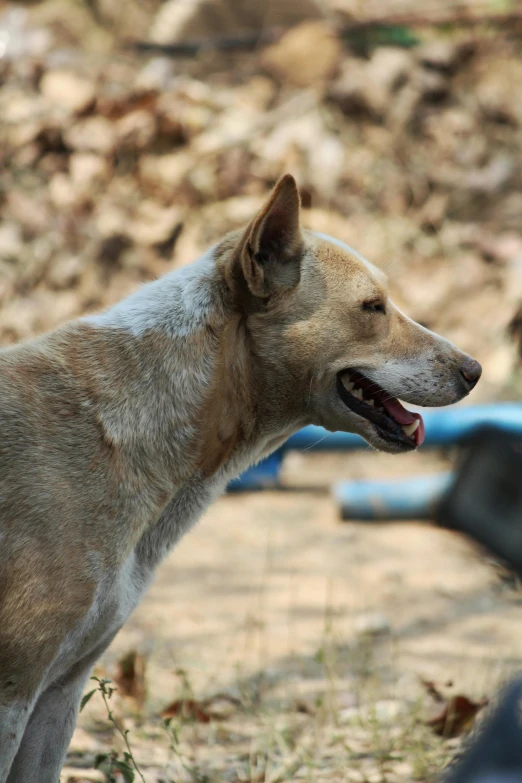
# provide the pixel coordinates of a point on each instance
(134, 133)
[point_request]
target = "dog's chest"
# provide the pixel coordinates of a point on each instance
(117, 595)
(120, 589)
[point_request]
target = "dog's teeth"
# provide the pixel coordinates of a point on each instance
(371, 402)
(358, 393)
(409, 429)
(348, 385)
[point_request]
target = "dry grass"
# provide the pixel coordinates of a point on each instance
(277, 735)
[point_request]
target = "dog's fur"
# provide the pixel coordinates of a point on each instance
(118, 430)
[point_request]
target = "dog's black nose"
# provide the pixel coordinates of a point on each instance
(471, 372)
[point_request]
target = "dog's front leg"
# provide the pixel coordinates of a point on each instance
(13, 720)
(46, 738)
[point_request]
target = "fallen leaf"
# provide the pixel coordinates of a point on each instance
(92, 134)
(456, 717)
(304, 707)
(187, 709)
(154, 224)
(66, 89)
(200, 711)
(114, 108)
(130, 677)
(289, 59)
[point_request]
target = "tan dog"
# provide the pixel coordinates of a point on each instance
(118, 430)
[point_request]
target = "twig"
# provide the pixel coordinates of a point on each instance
(106, 693)
(250, 41)
(460, 17)
(239, 43)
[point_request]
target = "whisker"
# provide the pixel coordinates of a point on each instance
(313, 445)
(310, 391)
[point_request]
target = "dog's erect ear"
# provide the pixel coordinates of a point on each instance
(271, 248)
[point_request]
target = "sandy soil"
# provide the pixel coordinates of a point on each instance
(274, 600)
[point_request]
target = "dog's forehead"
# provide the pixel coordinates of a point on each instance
(352, 262)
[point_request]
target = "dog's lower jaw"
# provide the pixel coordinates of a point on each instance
(333, 415)
(380, 443)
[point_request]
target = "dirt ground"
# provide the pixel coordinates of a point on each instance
(322, 630)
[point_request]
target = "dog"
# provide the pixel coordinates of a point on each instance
(120, 428)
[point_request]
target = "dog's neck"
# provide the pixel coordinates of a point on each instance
(175, 305)
(174, 380)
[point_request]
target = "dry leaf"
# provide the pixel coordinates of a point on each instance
(289, 59)
(304, 707)
(200, 711)
(456, 717)
(71, 92)
(130, 677)
(187, 709)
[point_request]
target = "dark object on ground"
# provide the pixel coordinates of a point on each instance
(495, 756)
(456, 717)
(239, 43)
(485, 500)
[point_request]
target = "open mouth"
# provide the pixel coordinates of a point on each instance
(392, 420)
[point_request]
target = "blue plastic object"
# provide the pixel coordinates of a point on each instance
(444, 427)
(411, 498)
(264, 475)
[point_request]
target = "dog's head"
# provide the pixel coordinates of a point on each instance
(328, 344)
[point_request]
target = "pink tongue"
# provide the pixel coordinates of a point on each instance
(403, 416)
(400, 414)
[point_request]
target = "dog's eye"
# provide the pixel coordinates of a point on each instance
(375, 306)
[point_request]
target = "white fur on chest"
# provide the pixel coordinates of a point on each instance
(117, 595)
(119, 590)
